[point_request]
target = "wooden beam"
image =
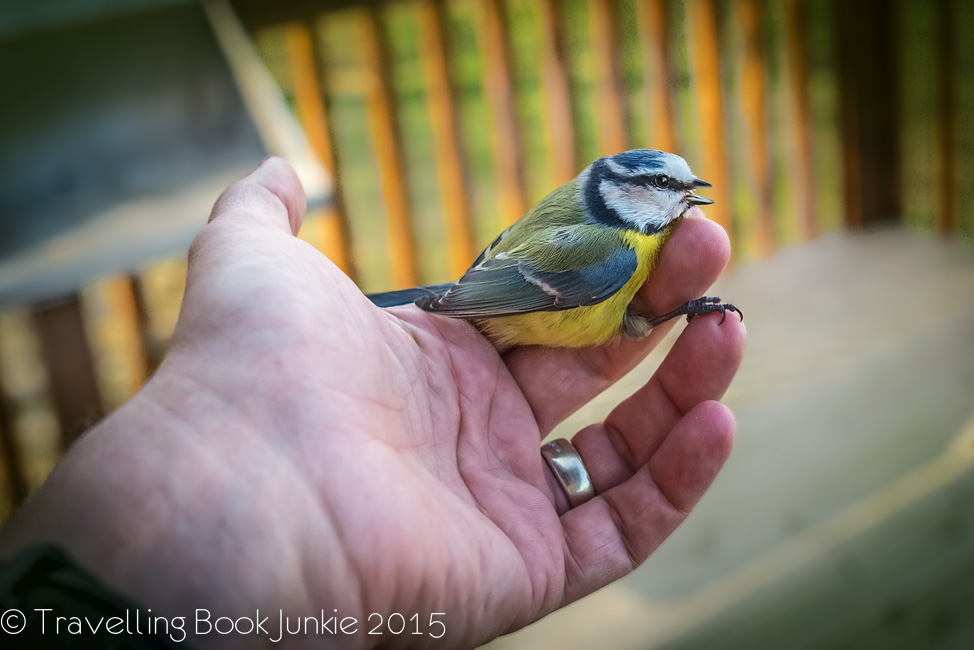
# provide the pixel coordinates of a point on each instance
(758, 239)
(387, 140)
(609, 106)
(454, 193)
(16, 481)
(110, 310)
(963, 26)
(710, 110)
(153, 349)
(946, 171)
(70, 370)
(508, 158)
(658, 86)
(868, 69)
(557, 97)
(803, 182)
(327, 226)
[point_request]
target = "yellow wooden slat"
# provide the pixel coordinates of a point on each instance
(70, 368)
(388, 150)
(454, 195)
(113, 330)
(852, 162)
(945, 165)
(557, 99)
(508, 174)
(658, 86)
(31, 427)
(804, 179)
(323, 228)
(759, 241)
(611, 133)
(706, 71)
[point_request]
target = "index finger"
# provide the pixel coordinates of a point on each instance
(556, 382)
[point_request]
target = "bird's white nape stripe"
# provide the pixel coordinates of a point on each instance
(645, 208)
(583, 177)
(616, 168)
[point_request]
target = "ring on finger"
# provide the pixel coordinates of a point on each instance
(569, 471)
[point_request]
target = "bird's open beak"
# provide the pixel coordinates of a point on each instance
(693, 199)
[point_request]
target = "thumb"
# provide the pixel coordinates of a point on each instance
(271, 195)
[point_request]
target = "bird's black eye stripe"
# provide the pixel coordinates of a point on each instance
(664, 182)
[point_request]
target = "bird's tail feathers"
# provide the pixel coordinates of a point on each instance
(407, 296)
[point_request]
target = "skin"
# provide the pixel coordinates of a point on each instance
(301, 449)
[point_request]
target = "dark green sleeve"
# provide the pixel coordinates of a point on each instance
(42, 583)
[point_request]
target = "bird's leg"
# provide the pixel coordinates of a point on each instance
(697, 307)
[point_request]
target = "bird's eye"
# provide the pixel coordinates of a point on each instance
(661, 181)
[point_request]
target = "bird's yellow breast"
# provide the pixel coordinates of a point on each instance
(581, 326)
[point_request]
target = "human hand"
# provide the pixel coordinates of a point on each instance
(301, 450)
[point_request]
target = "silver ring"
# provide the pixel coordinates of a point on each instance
(567, 466)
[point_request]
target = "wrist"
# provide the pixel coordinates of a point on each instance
(156, 502)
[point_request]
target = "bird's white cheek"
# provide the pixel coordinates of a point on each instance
(637, 205)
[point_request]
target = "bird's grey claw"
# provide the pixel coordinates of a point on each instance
(708, 305)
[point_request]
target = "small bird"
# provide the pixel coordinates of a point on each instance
(563, 275)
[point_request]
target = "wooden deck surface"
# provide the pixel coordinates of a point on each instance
(845, 516)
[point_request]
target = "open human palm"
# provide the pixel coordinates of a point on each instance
(311, 451)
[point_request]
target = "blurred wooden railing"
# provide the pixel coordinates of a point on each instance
(443, 121)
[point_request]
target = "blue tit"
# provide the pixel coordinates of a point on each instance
(564, 274)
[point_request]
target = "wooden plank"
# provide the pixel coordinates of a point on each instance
(963, 26)
(14, 479)
(825, 114)
(542, 97)
(945, 167)
(781, 125)
(70, 368)
(918, 109)
(709, 101)
(609, 107)
(849, 111)
(557, 100)
(869, 73)
(756, 232)
(153, 350)
(280, 132)
(803, 180)
(387, 142)
(454, 194)
(114, 337)
(25, 390)
(655, 22)
(463, 27)
(508, 160)
(326, 228)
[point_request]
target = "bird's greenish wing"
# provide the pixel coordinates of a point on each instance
(574, 273)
